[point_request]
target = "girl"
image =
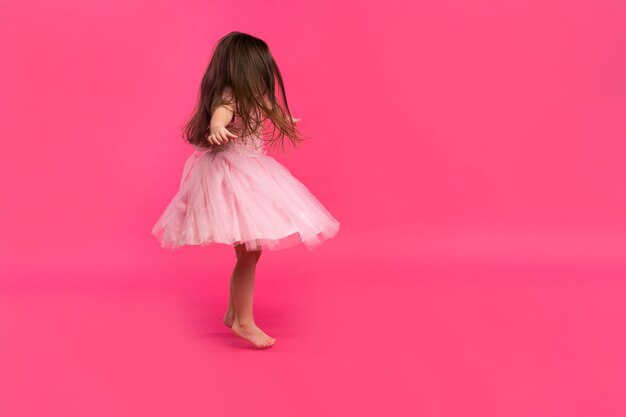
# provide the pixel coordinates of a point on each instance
(231, 191)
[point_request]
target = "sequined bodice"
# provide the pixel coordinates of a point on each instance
(252, 145)
(249, 145)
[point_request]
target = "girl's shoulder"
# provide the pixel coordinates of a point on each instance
(226, 100)
(228, 96)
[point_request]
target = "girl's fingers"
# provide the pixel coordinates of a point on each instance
(221, 137)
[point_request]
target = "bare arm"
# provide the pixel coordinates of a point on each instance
(220, 118)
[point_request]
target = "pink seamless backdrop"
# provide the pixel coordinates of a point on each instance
(473, 152)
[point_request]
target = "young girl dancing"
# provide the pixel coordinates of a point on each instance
(231, 191)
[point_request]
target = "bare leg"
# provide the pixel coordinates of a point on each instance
(229, 317)
(242, 291)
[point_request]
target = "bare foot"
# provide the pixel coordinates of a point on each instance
(229, 317)
(252, 334)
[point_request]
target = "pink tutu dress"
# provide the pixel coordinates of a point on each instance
(236, 194)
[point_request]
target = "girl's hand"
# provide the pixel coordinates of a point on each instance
(295, 120)
(220, 135)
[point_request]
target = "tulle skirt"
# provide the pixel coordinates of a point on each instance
(233, 198)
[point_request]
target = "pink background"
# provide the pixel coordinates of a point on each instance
(473, 152)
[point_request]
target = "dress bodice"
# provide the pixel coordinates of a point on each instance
(251, 144)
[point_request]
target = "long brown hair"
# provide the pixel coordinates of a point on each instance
(243, 73)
